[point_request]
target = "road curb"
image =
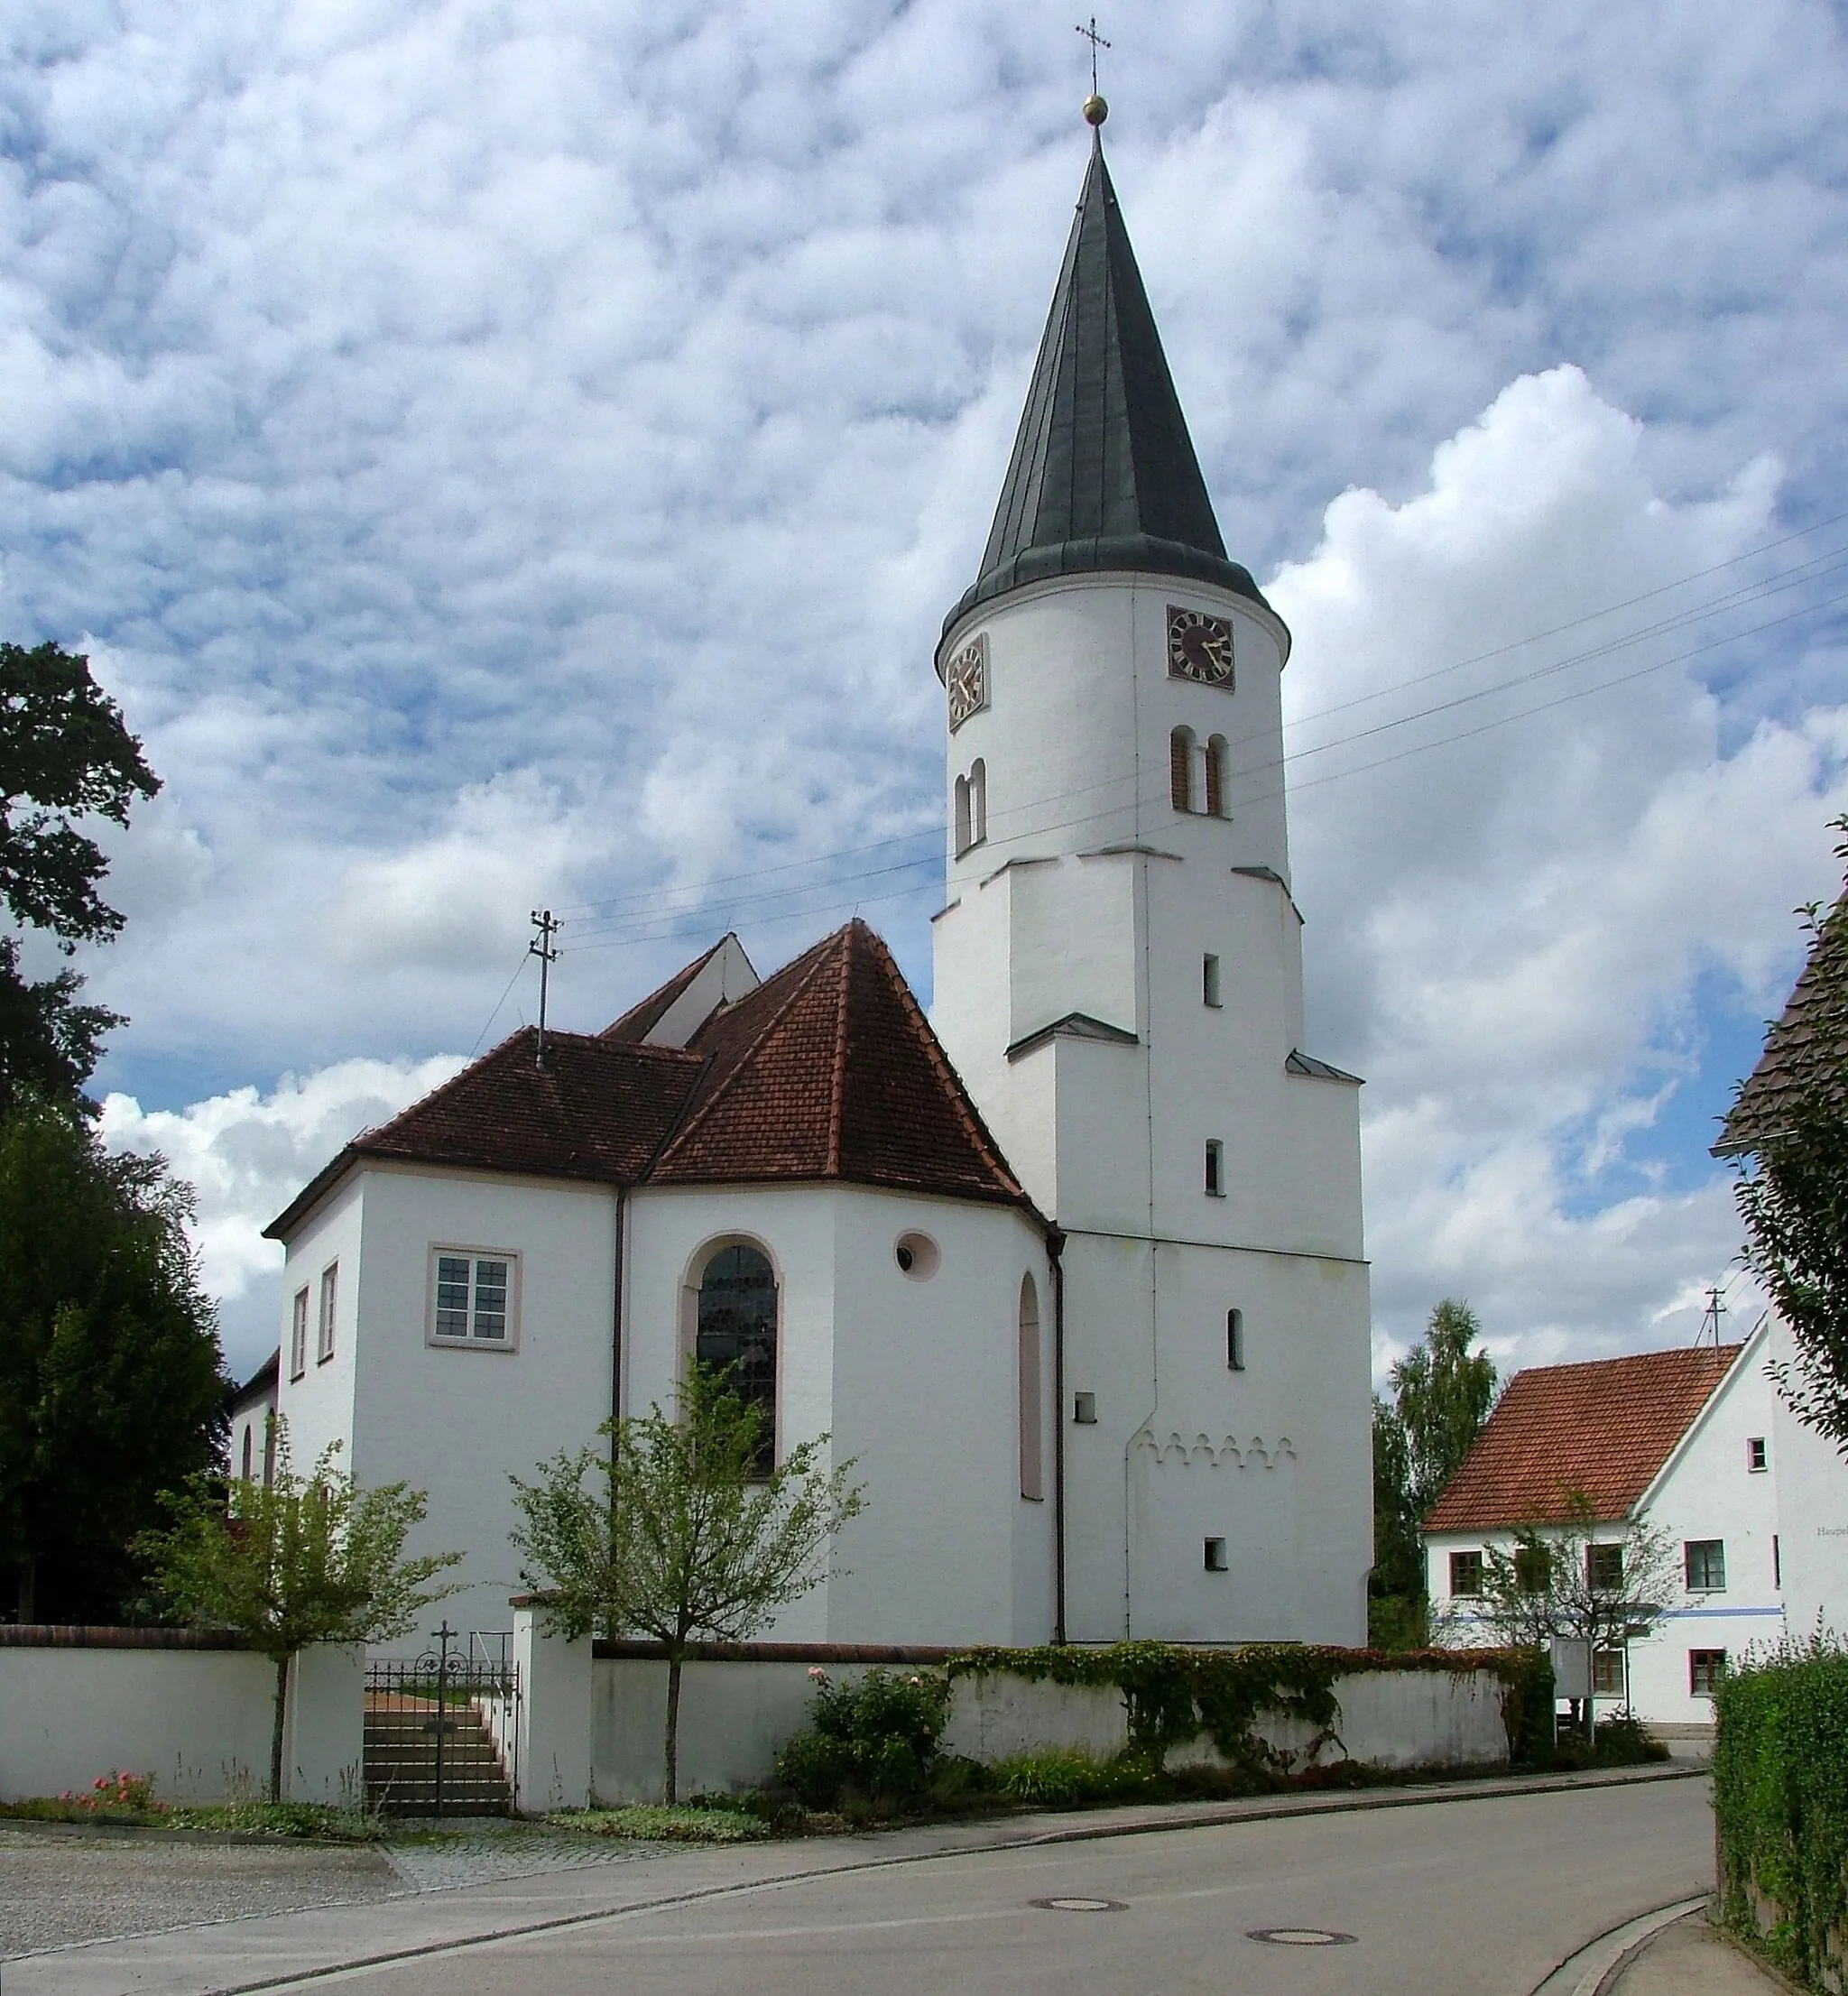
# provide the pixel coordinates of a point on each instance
(1590, 1969)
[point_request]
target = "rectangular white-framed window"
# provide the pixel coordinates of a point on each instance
(1209, 981)
(1466, 1575)
(324, 1323)
(297, 1334)
(475, 1297)
(1215, 1170)
(1758, 1454)
(1705, 1560)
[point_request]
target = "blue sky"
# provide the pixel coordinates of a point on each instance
(505, 457)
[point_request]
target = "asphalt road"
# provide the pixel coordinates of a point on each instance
(1474, 1898)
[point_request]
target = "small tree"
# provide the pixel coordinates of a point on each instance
(298, 1560)
(688, 1537)
(1561, 1580)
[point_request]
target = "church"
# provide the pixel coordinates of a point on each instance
(1073, 1268)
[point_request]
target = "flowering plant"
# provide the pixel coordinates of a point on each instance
(118, 1790)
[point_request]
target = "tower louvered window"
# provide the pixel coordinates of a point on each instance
(1180, 768)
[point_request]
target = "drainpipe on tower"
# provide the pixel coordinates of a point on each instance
(1055, 1248)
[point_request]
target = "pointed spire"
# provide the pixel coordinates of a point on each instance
(1104, 473)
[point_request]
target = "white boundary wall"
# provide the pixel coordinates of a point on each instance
(198, 1720)
(734, 1714)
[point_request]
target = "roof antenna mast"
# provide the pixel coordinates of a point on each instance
(1710, 1318)
(1095, 109)
(542, 946)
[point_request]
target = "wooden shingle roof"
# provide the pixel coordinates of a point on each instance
(827, 1071)
(1603, 1428)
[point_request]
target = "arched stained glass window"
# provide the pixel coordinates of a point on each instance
(736, 1332)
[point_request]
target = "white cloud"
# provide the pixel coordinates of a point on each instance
(1507, 926)
(247, 1155)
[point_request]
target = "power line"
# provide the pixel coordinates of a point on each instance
(1809, 570)
(635, 927)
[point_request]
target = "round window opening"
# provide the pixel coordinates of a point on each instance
(917, 1256)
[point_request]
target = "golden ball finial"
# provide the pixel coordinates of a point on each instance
(1096, 110)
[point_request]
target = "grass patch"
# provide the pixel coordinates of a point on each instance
(683, 1823)
(309, 1821)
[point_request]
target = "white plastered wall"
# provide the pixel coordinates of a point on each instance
(917, 1378)
(1093, 894)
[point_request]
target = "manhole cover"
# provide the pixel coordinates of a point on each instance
(1080, 1905)
(1299, 1936)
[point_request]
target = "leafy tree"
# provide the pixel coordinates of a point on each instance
(679, 1533)
(298, 1560)
(1442, 1394)
(1565, 1580)
(111, 1385)
(65, 755)
(1795, 1205)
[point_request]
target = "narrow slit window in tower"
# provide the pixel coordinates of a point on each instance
(978, 801)
(1180, 768)
(1209, 981)
(1235, 1341)
(1215, 778)
(1215, 1170)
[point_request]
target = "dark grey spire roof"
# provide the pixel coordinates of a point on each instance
(1104, 473)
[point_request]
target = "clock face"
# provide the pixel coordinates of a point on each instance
(967, 681)
(1199, 647)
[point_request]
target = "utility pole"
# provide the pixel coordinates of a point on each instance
(1710, 1319)
(542, 946)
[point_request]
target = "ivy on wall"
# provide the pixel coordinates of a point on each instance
(1780, 1802)
(1175, 1694)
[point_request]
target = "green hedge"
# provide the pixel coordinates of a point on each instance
(1174, 1694)
(1780, 1800)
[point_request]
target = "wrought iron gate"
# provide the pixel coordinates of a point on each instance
(442, 1731)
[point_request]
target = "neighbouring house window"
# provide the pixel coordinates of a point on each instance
(297, 1336)
(474, 1299)
(736, 1333)
(1466, 1573)
(1757, 1456)
(248, 1444)
(1705, 1668)
(1209, 981)
(1215, 778)
(1032, 1451)
(1706, 1562)
(1235, 1341)
(1180, 769)
(1604, 1568)
(1533, 1569)
(324, 1323)
(1607, 1673)
(1215, 1170)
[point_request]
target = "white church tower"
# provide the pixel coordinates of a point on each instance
(1119, 981)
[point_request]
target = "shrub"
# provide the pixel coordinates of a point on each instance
(1781, 1801)
(880, 1738)
(1068, 1776)
(1624, 1741)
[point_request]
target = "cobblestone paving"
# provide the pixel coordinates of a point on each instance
(434, 1858)
(56, 1890)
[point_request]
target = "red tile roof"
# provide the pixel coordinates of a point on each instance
(827, 1071)
(1807, 1051)
(1605, 1428)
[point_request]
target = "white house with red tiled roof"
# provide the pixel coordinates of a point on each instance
(1076, 1276)
(1694, 1443)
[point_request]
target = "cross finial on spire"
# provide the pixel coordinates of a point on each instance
(1095, 109)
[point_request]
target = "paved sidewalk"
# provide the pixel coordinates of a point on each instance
(259, 1948)
(1689, 1959)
